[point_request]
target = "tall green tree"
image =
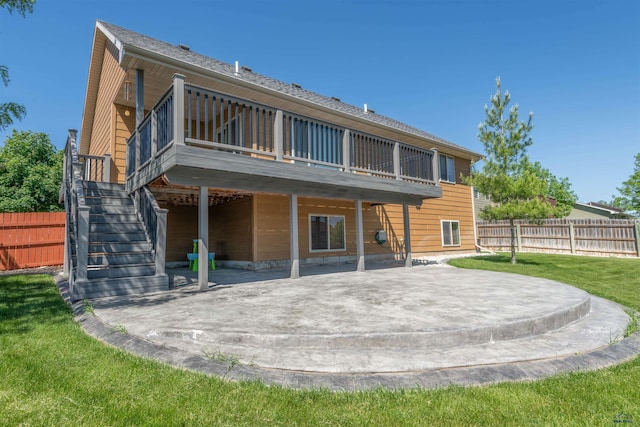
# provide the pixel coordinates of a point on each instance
(559, 189)
(11, 110)
(507, 176)
(629, 198)
(30, 173)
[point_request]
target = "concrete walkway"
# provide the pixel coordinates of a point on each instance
(390, 326)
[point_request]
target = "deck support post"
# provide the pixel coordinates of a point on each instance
(203, 238)
(293, 236)
(106, 168)
(139, 111)
(278, 140)
(408, 261)
(178, 108)
(346, 150)
(359, 236)
(396, 160)
(435, 165)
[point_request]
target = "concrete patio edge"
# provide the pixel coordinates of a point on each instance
(619, 352)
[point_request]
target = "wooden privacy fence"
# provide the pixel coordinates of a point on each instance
(31, 239)
(601, 237)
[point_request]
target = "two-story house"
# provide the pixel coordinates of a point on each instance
(260, 172)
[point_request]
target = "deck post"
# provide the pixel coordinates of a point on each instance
(435, 165)
(161, 241)
(106, 168)
(203, 238)
(178, 108)
(396, 160)
(346, 150)
(293, 236)
(139, 111)
(359, 236)
(408, 261)
(278, 143)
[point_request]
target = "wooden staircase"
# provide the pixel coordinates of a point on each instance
(121, 260)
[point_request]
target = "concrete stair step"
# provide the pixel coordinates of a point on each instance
(601, 327)
(427, 339)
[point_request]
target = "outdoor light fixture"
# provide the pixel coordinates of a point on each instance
(127, 90)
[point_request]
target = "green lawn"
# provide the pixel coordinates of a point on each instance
(51, 373)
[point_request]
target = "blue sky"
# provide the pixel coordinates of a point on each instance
(430, 63)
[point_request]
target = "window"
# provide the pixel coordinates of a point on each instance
(326, 233)
(450, 233)
(447, 169)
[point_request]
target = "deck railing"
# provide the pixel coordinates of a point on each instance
(77, 213)
(95, 168)
(312, 141)
(155, 222)
(188, 114)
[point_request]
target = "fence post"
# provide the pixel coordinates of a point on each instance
(106, 168)
(83, 242)
(519, 237)
(572, 238)
(636, 230)
(161, 241)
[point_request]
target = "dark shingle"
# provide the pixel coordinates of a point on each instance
(141, 41)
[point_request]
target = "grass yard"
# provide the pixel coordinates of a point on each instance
(51, 373)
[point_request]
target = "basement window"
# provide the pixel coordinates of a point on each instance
(326, 233)
(450, 233)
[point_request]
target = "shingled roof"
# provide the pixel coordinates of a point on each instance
(129, 38)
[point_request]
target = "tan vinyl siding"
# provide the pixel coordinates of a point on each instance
(271, 227)
(426, 231)
(110, 80)
(230, 234)
(124, 123)
(229, 230)
(182, 228)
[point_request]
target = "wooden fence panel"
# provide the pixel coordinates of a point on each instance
(31, 239)
(603, 237)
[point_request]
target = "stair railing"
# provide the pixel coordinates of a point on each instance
(77, 214)
(155, 224)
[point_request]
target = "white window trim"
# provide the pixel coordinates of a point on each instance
(344, 235)
(454, 168)
(442, 221)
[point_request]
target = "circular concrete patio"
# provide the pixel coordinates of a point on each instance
(391, 326)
